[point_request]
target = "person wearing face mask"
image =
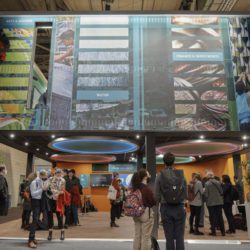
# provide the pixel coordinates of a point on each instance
(56, 185)
(37, 187)
(4, 203)
(144, 223)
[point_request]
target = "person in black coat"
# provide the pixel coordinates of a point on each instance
(228, 202)
(4, 202)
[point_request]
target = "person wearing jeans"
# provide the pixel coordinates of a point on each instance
(173, 218)
(75, 201)
(36, 189)
(195, 205)
(173, 215)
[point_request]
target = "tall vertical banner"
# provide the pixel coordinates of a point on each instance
(62, 73)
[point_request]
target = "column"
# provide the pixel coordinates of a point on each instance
(29, 167)
(150, 155)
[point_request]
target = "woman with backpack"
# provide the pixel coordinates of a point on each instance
(144, 223)
(228, 202)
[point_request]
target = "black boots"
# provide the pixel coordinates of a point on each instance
(50, 235)
(197, 232)
(62, 235)
(61, 238)
(113, 224)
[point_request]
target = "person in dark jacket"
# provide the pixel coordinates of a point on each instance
(4, 203)
(228, 202)
(144, 223)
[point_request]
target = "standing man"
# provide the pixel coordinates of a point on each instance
(4, 202)
(37, 187)
(214, 199)
(171, 192)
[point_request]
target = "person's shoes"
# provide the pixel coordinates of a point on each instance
(223, 234)
(35, 241)
(212, 234)
(66, 226)
(32, 245)
(191, 231)
(197, 232)
(113, 224)
(62, 235)
(201, 225)
(229, 231)
(22, 226)
(50, 235)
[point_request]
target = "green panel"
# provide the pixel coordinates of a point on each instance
(14, 81)
(14, 69)
(18, 56)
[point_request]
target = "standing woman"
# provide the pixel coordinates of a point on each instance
(144, 223)
(228, 203)
(114, 211)
(56, 186)
(4, 202)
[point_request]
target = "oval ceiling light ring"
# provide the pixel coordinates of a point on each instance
(200, 147)
(83, 158)
(93, 145)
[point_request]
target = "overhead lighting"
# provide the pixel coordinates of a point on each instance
(202, 137)
(137, 136)
(245, 145)
(26, 143)
(12, 136)
(244, 137)
(53, 136)
(200, 156)
(47, 153)
(37, 149)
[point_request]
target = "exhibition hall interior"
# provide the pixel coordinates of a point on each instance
(98, 90)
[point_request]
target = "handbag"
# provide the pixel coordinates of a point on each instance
(112, 192)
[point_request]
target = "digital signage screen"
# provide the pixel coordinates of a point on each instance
(130, 72)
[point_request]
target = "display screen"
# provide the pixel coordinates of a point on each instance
(100, 180)
(130, 72)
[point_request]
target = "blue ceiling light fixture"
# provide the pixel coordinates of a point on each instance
(93, 145)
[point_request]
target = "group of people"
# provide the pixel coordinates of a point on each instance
(219, 196)
(172, 194)
(45, 195)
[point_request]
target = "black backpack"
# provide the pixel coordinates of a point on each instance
(173, 186)
(234, 194)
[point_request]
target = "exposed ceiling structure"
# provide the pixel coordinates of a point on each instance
(124, 5)
(37, 141)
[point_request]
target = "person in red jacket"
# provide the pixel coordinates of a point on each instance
(115, 203)
(75, 201)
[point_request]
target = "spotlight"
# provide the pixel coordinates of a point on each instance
(244, 137)
(12, 136)
(26, 143)
(53, 136)
(160, 155)
(200, 156)
(47, 153)
(245, 145)
(202, 137)
(37, 149)
(137, 136)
